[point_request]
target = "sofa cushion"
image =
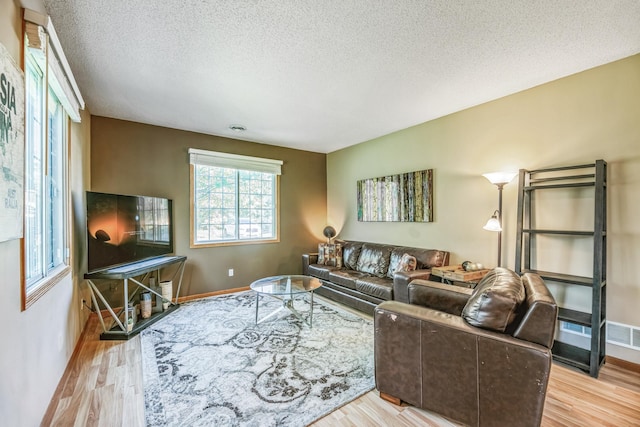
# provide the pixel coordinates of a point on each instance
(346, 278)
(374, 259)
(407, 263)
(350, 254)
(425, 258)
(380, 287)
(495, 300)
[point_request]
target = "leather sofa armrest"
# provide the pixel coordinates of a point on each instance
(307, 260)
(439, 296)
(401, 282)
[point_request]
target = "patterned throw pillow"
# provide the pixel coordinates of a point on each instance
(333, 255)
(407, 263)
(330, 254)
(321, 247)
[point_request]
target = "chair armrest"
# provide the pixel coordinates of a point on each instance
(307, 260)
(396, 310)
(439, 296)
(401, 281)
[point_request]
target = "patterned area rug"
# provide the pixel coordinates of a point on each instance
(209, 364)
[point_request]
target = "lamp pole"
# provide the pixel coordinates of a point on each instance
(499, 179)
(500, 185)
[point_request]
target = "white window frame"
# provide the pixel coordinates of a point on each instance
(45, 247)
(234, 165)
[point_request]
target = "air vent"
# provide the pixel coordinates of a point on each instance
(623, 335)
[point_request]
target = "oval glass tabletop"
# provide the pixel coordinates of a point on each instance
(286, 285)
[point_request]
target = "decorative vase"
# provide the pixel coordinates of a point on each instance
(167, 292)
(145, 305)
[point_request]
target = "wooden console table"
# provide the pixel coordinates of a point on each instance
(455, 273)
(132, 272)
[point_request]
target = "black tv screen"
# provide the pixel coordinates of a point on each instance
(124, 229)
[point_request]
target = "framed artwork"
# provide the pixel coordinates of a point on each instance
(11, 146)
(406, 197)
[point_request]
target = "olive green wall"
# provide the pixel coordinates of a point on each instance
(575, 120)
(134, 158)
(37, 343)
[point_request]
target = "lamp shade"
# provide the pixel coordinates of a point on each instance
(498, 178)
(493, 224)
(329, 232)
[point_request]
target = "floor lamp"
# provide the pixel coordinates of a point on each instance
(499, 179)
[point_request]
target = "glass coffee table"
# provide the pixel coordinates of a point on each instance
(286, 288)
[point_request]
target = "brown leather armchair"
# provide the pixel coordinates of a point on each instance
(481, 357)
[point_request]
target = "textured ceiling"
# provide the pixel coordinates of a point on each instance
(320, 75)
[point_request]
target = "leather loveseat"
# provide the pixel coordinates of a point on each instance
(369, 273)
(478, 356)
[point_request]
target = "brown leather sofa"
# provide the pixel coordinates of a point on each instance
(368, 275)
(478, 356)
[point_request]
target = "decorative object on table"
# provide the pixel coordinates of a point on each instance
(167, 293)
(406, 197)
(12, 146)
(145, 305)
(131, 316)
(471, 266)
(499, 179)
(329, 232)
(210, 364)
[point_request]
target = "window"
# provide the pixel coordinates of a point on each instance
(235, 198)
(46, 184)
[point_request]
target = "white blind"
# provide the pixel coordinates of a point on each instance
(235, 161)
(61, 78)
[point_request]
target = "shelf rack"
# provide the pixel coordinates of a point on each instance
(570, 177)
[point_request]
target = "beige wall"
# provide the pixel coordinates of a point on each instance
(133, 158)
(575, 120)
(37, 343)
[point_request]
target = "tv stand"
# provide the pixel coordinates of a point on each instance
(132, 272)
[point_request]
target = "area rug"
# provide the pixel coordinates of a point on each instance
(209, 364)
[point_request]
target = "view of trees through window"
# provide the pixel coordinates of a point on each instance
(232, 204)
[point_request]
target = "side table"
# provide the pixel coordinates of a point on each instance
(456, 275)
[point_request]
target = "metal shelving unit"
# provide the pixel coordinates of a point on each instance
(567, 178)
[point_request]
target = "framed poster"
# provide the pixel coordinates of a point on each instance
(11, 147)
(406, 197)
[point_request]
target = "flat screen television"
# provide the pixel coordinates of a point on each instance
(124, 229)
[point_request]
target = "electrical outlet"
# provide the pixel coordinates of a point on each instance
(230, 272)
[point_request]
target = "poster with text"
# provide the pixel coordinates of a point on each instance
(11, 146)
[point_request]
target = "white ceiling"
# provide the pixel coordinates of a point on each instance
(320, 75)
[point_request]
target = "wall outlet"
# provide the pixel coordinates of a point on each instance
(230, 272)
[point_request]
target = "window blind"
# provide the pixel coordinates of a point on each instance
(235, 161)
(61, 79)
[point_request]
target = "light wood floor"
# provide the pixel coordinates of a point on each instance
(103, 387)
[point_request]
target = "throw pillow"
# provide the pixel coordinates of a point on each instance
(495, 300)
(321, 249)
(333, 255)
(374, 259)
(351, 253)
(407, 263)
